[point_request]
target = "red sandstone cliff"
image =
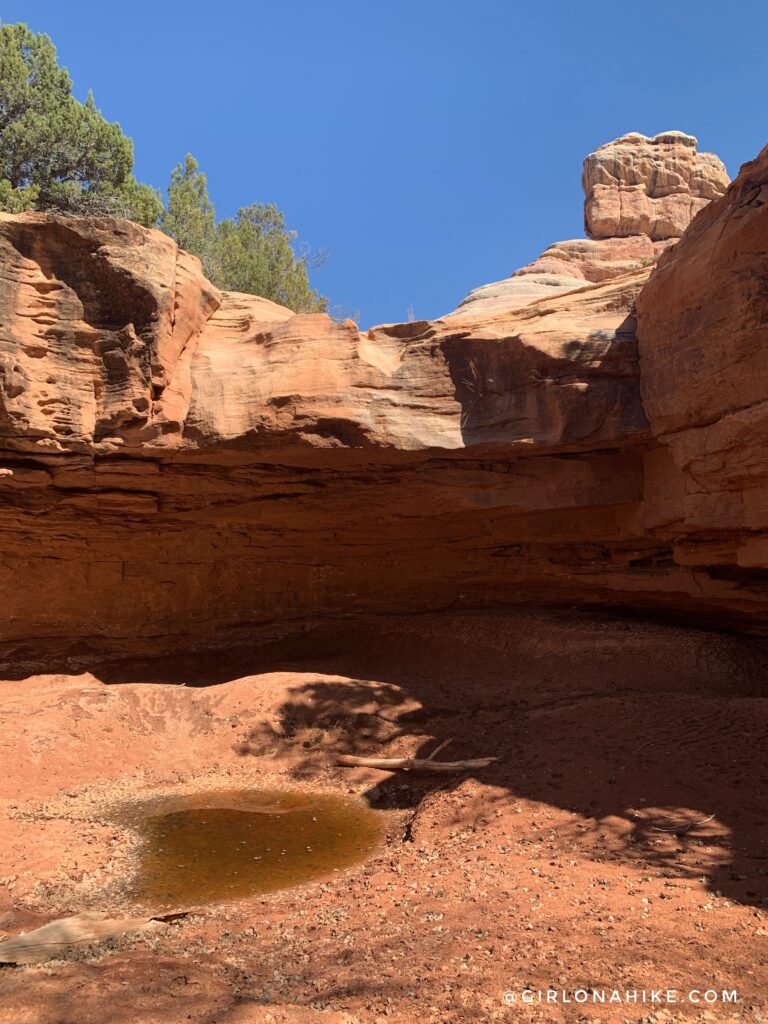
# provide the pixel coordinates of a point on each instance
(179, 466)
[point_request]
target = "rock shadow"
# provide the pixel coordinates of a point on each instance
(510, 390)
(651, 737)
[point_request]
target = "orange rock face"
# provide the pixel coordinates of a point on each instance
(640, 195)
(653, 187)
(180, 467)
(703, 329)
(95, 317)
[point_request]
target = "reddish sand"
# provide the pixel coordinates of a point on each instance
(555, 867)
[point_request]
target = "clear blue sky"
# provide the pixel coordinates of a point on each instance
(429, 145)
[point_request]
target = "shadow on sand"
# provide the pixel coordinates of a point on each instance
(652, 736)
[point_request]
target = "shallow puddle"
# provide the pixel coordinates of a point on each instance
(217, 846)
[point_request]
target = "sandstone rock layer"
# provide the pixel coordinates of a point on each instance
(703, 330)
(182, 468)
(640, 195)
(653, 187)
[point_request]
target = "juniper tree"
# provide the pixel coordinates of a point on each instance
(254, 252)
(189, 216)
(55, 152)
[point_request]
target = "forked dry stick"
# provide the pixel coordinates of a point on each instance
(441, 746)
(684, 826)
(419, 764)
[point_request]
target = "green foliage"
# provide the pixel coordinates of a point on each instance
(143, 203)
(189, 217)
(255, 255)
(62, 155)
(252, 253)
(18, 200)
(55, 152)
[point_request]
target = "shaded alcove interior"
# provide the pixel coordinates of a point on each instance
(651, 734)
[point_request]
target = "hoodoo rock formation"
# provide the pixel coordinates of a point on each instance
(654, 187)
(180, 467)
(640, 195)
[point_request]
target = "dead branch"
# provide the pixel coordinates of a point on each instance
(684, 826)
(417, 764)
(439, 747)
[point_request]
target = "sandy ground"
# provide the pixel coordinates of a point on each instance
(619, 843)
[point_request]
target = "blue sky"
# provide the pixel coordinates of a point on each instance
(430, 146)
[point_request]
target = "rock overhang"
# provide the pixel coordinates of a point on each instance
(179, 463)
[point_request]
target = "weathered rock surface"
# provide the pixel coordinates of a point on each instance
(195, 369)
(653, 187)
(564, 267)
(181, 467)
(640, 195)
(703, 327)
(95, 315)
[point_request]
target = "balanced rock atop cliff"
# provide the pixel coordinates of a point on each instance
(653, 187)
(640, 195)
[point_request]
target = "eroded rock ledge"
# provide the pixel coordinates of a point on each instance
(181, 466)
